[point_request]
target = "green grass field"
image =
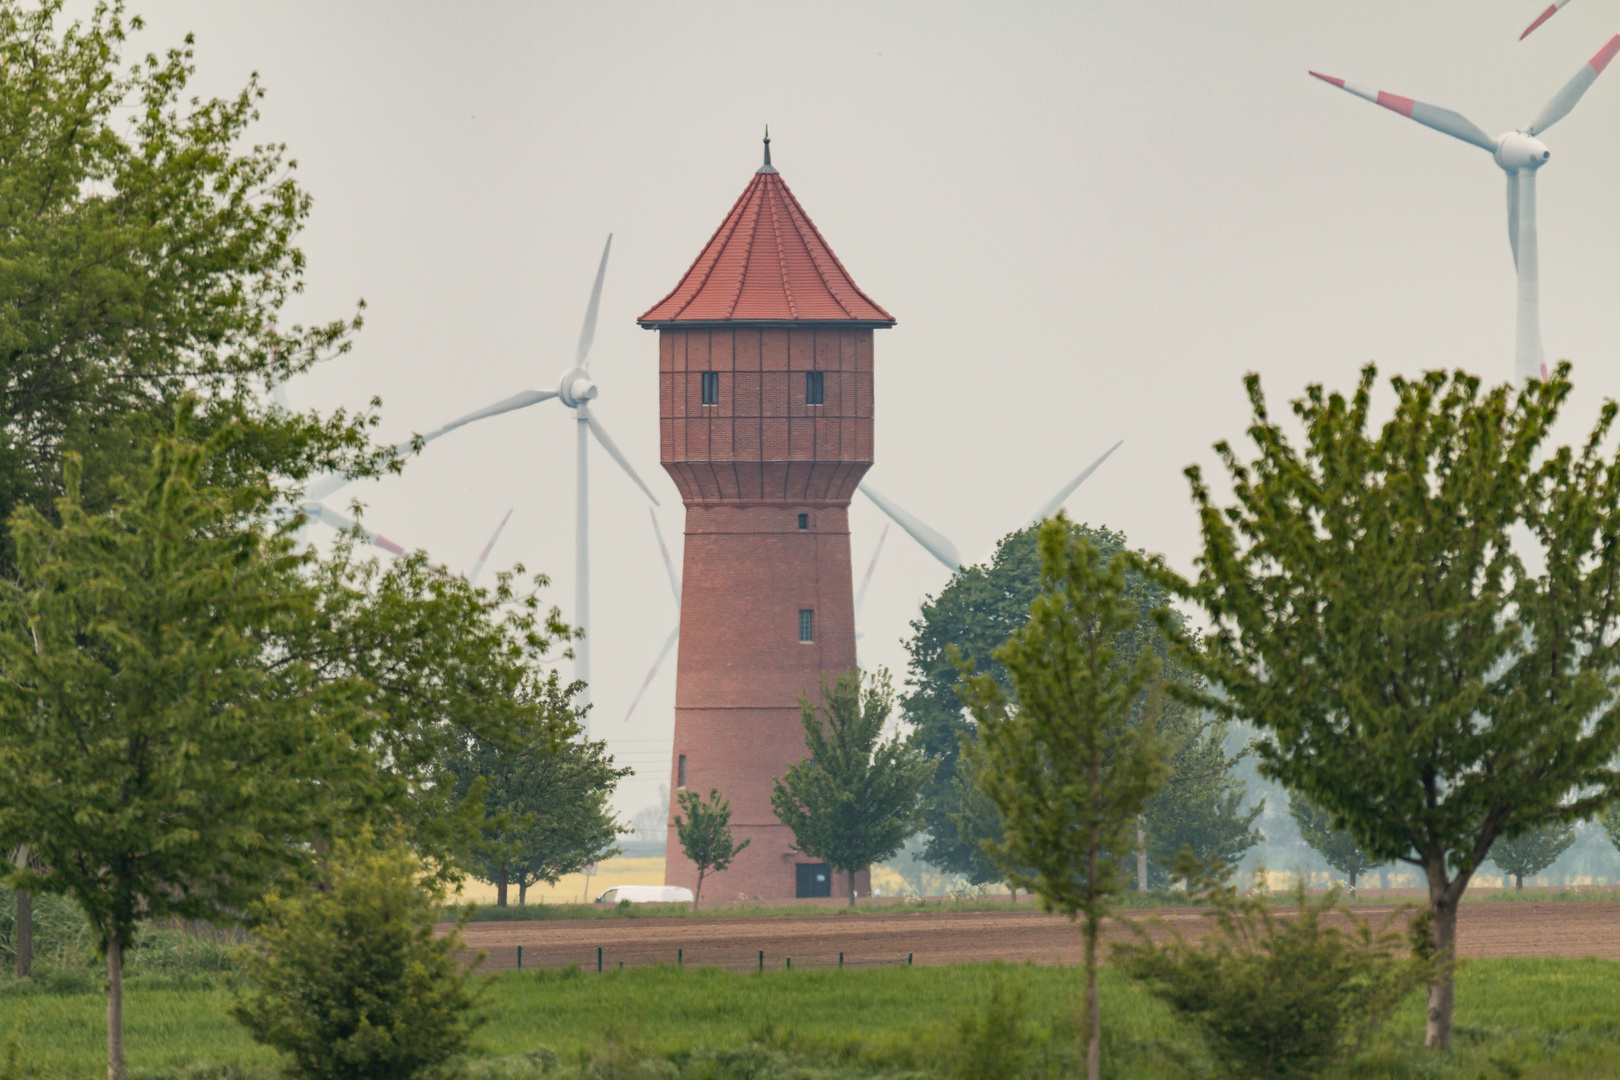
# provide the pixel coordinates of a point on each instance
(1529, 1018)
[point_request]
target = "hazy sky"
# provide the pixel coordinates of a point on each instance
(1089, 219)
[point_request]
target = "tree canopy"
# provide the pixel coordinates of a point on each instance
(857, 797)
(1371, 613)
(1336, 846)
(144, 254)
(1201, 806)
(1071, 758)
(544, 803)
(1532, 852)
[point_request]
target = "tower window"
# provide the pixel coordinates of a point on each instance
(807, 624)
(711, 388)
(804, 522)
(815, 388)
(680, 771)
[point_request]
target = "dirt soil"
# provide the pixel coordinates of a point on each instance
(1527, 929)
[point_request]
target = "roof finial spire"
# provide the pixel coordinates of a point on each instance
(767, 167)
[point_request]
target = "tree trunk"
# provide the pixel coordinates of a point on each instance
(1093, 1010)
(1443, 896)
(1352, 884)
(851, 874)
(25, 919)
(523, 892)
(697, 893)
(500, 888)
(115, 1008)
(1518, 883)
(1141, 858)
(25, 933)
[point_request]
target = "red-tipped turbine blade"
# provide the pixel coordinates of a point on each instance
(1450, 123)
(1552, 9)
(1566, 98)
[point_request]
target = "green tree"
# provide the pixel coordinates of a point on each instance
(1337, 846)
(1071, 761)
(705, 834)
(857, 797)
(1271, 997)
(1531, 852)
(1609, 819)
(146, 252)
(350, 981)
(1370, 615)
(1201, 805)
(545, 805)
(153, 761)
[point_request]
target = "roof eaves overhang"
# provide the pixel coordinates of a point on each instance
(694, 324)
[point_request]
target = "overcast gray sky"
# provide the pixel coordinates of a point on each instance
(1090, 219)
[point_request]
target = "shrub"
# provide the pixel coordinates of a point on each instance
(1274, 997)
(350, 982)
(989, 1043)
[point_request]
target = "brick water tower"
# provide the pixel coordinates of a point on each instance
(765, 402)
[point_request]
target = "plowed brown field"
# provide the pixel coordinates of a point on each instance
(1566, 929)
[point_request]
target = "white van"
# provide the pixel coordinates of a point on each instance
(646, 894)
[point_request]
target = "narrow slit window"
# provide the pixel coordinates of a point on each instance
(807, 624)
(711, 388)
(804, 522)
(680, 771)
(815, 388)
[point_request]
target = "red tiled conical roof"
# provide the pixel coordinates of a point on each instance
(766, 263)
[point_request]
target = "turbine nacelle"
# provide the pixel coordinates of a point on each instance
(576, 388)
(1517, 151)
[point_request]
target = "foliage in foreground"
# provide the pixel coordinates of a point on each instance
(1274, 998)
(1545, 1018)
(350, 981)
(1072, 759)
(1370, 615)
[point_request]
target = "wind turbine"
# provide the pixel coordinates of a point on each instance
(675, 634)
(483, 556)
(1520, 154)
(1552, 10)
(575, 390)
(935, 543)
(932, 541)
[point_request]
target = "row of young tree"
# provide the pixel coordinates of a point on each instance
(1421, 621)
(195, 709)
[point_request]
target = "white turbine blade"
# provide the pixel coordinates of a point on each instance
(1454, 124)
(343, 523)
(613, 451)
(1513, 215)
(587, 333)
(860, 595)
(1563, 101)
(1051, 505)
(1543, 17)
(931, 540)
(331, 483)
(669, 563)
(669, 644)
(505, 405)
(483, 556)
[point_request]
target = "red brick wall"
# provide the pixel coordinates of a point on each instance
(762, 441)
(747, 468)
